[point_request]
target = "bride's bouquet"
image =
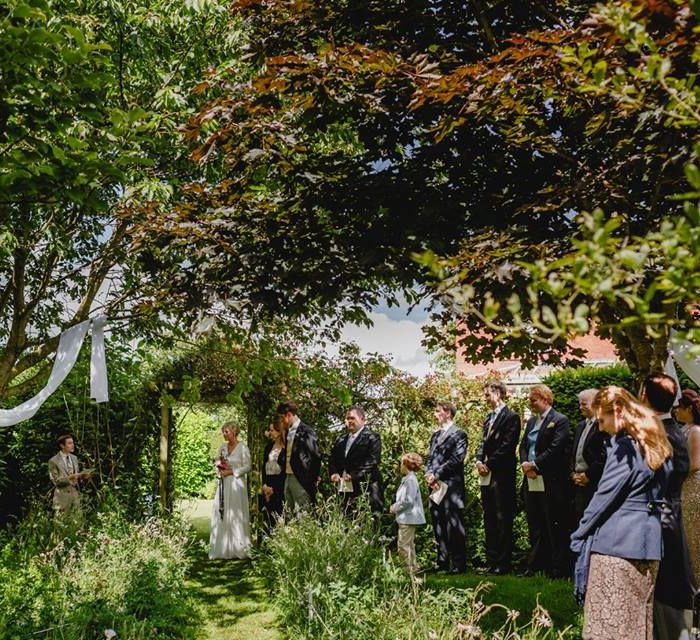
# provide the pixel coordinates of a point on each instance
(221, 464)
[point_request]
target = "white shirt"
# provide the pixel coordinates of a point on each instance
(351, 438)
(293, 430)
(495, 413)
(67, 462)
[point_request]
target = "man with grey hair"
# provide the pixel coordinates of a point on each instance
(588, 455)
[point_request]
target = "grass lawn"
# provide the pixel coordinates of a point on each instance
(234, 602)
(520, 594)
(236, 605)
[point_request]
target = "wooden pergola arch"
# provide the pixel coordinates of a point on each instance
(209, 365)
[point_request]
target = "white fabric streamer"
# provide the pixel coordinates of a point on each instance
(98, 362)
(681, 352)
(66, 356)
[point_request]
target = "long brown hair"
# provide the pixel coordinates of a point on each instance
(638, 421)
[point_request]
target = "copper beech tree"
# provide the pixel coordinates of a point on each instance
(361, 137)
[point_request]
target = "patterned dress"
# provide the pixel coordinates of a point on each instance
(691, 510)
(619, 599)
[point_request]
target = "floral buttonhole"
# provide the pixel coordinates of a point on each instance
(551, 425)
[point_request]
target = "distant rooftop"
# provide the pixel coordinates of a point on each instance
(598, 352)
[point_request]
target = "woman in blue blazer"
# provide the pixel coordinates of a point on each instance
(618, 540)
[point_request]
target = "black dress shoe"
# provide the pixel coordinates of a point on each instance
(499, 571)
(456, 571)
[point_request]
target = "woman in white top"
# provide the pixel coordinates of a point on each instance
(230, 518)
(408, 509)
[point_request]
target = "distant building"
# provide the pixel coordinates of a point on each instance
(598, 352)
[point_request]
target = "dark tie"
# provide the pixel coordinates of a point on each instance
(491, 419)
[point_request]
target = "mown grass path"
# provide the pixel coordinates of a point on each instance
(234, 602)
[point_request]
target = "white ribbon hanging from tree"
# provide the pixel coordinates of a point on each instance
(66, 356)
(681, 352)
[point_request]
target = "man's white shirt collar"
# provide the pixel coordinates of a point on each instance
(357, 433)
(447, 425)
(542, 416)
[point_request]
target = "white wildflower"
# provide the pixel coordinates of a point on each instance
(110, 633)
(468, 630)
(544, 619)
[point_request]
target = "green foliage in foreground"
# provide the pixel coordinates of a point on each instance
(111, 574)
(332, 579)
(522, 595)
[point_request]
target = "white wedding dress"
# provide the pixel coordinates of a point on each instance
(230, 535)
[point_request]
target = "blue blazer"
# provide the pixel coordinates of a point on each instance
(445, 461)
(621, 516)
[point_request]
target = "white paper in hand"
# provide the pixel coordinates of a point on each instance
(536, 484)
(438, 494)
(485, 481)
(345, 486)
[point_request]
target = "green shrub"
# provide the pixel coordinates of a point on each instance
(121, 575)
(567, 383)
(332, 579)
(192, 460)
(117, 438)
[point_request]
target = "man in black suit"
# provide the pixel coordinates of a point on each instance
(303, 462)
(496, 464)
(544, 458)
(673, 593)
(354, 462)
(587, 455)
(445, 464)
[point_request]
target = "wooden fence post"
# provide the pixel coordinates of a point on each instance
(165, 413)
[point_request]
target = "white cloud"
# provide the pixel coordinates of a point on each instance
(399, 339)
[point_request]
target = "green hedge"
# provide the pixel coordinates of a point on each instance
(567, 383)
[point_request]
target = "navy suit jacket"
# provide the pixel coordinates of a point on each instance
(593, 452)
(446, 462)
(306, 458)
(552, 447)
(619, 516)
(498, 444)
(361, 464)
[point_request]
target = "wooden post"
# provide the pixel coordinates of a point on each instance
(164, 446)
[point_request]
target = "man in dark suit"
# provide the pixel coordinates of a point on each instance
(303, 461)
(445, 464)
(544, 458)
(587, 455)
(674, 584)
(354, 462)
(496, 464)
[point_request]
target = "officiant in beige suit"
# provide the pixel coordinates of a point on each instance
(65, 474)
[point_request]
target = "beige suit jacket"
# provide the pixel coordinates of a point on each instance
(66, 495)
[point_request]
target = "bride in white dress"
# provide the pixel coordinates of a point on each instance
(230, 518)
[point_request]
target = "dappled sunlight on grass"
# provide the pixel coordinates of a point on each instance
(519, 594)
(235, 604)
